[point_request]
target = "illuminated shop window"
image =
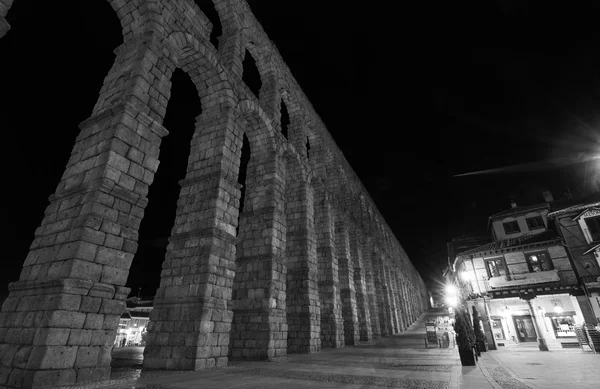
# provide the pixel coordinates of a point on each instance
(497, 329)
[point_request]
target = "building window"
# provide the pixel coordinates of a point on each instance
(535, 222)
(511, 227)
(593, 225)
(538, 262)
(563, 326)
(495, 267)
(497, 329)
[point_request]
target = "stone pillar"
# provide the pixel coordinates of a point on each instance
(540, 335)
(392, 300)
(332, 324)
(59, 322)
(382, 297)
(411, 305)
(372, 297)
(259, 329)
(398, 294)
(362, 303)
(191, 320)
(346, 277)
(405, 302)
(303, 304)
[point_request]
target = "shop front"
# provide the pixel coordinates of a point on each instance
(524, 328)
(555, 318)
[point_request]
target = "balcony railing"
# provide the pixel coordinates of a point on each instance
(541, 277)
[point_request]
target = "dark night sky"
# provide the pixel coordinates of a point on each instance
(412, 95)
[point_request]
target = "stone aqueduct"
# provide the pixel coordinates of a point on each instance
(308, 263)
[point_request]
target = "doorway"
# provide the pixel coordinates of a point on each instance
(524, 327)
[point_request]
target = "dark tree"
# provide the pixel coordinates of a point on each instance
(479, 335)
(465, 338)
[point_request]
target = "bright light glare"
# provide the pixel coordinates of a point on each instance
(451, 301)
(451, 290)
(466, 275)
(558, 309)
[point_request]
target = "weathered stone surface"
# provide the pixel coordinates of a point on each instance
(52, 357)
(306, 262)
(51, 336)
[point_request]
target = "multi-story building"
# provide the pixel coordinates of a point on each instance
(522, 282)
(134, 323)
(579, 226)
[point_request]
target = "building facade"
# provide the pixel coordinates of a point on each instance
(579, 226)
(522, 283)
(133, 324)
(307, 262)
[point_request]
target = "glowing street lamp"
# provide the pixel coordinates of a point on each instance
(451, 295)
(557, 308)
(451, 290)
(451, 301)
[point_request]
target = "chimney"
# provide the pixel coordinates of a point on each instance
(513, 204)
(548, 196)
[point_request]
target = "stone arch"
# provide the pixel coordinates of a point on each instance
(133, 22)
(84, 246)
(144, 78)
(207, 181)
(199, 60)
(206, 8)
(260, 128)
(269, 94)
(259, 286)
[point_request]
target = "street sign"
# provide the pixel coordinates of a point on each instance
(430, 329)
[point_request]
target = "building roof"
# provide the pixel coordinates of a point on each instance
(573, 206)
(546, 236)
(517, 210)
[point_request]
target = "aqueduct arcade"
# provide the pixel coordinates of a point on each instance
(306, 262)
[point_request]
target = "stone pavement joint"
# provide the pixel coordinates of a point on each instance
(385, 366)
(347, 379)
(501, 375)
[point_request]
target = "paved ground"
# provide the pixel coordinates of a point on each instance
(572, 369)
(401, 361)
